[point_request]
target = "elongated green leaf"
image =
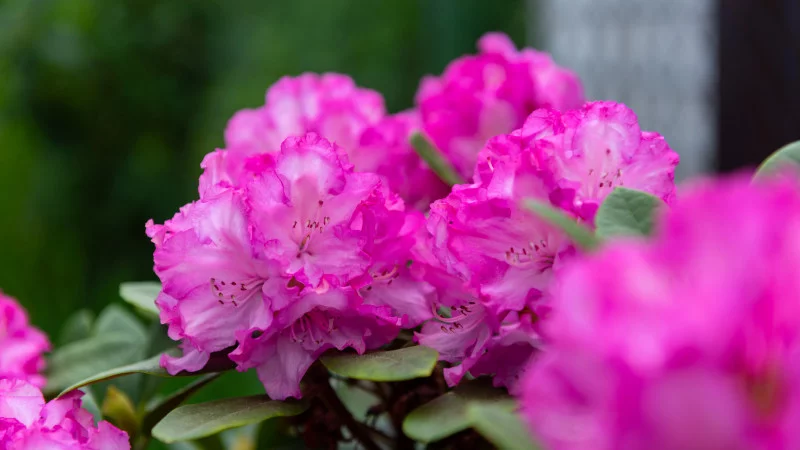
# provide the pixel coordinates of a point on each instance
(165, 406)
(582, 236)
(149, 366)
(84, 358)
(447, 415)
(787, 156)
(626, 212)
(204, 419)
(394, 365)
(435, 160)
(218, 362)
(500, 426)
(142, 295)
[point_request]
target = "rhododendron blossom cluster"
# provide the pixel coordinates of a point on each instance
(689, 341)
(507, 256)
(28, 423)
(301, 255)
(488, 94)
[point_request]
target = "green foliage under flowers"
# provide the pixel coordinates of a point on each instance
(382, 366)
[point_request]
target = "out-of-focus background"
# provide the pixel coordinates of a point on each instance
(106, 107)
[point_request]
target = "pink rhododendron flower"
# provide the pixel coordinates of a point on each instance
(332, 106)
(491, 93)
(307, 256)
(21, 345)
(504, 258)
(592, 150)
(28, 423)
(689, 341)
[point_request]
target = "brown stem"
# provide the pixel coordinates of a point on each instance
(322, 388)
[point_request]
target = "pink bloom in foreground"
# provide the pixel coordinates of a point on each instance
(21, 345)
(307, 256)
(691, 341)
(491, 93)
(28, 423)
(592, 150)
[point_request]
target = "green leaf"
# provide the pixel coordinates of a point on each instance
(204, 419)
(142, 295)
(447, 415)
(218, 362)
(626, 212)
(115, 319)
(786, 156)
(149, 366)
(165, 406)
(393, 365)
(580, 234)
(78, 326)
(435, 159)
(500, 426)
(84, 358)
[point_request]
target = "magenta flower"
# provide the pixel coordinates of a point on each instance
(488, 94)
(330, 105)
(689, 341)
(592, 150)
(306, 256)
(28, 423)
(503, 257)
(21, 345)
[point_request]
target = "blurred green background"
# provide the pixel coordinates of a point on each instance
(107, 107)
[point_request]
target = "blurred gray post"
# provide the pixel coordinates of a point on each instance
(656, 56)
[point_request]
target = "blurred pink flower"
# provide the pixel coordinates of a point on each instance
(21, 345)
(488, 94)
(28, 423)
(691, 341)
(308, 255)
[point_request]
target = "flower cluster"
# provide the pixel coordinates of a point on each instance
(28, 423)
(506, 257)
(301, 241)
(355, 119)
(488, 94)
(689, 341)
(21, 345)
(300, 255)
